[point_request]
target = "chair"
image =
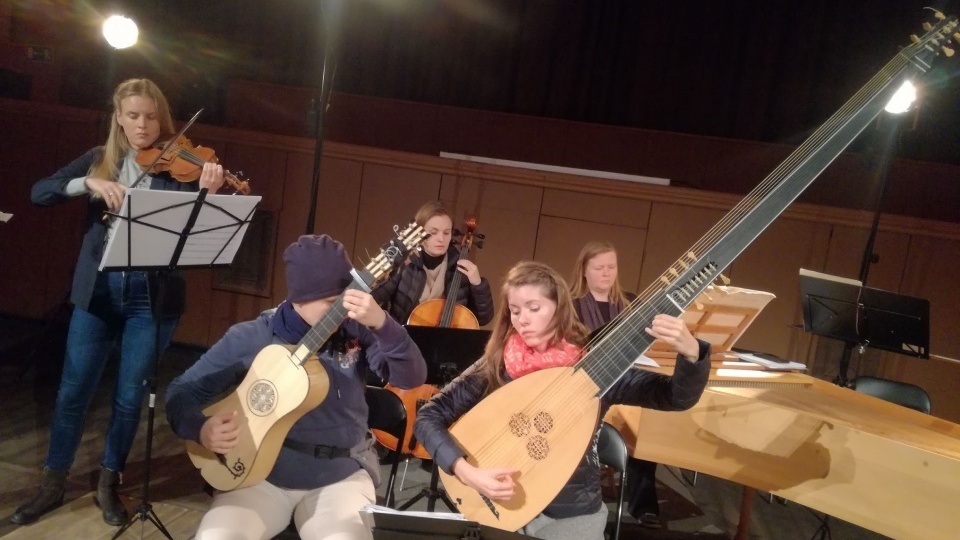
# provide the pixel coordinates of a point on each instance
(388, 414)
(612, 451)
(901, 393)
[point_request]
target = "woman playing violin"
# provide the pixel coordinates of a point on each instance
(110, 306)
(428, 274)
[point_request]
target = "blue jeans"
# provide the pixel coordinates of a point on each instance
(120, 309)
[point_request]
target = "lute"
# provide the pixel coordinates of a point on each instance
(284, 383)
(542, 423)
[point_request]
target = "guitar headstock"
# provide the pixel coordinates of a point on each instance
(937, 37)
(394, 251)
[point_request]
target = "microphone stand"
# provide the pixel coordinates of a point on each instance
(318, 110)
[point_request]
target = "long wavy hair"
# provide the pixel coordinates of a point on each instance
(117, 144)
(578, 280)
(565, 322)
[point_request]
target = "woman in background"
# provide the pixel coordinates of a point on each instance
(598, 299)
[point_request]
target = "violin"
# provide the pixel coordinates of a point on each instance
(184, 162)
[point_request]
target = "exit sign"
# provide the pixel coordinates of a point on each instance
(40, 54)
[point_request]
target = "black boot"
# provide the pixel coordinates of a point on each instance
(49, 497)
(107, 499)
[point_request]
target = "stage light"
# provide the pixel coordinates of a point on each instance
(901, 101)
(119, 31)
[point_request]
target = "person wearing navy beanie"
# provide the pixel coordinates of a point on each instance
(327, 469)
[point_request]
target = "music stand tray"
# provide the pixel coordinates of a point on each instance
(392, 525)
(843, 309)
(447, 349)
(176, 229)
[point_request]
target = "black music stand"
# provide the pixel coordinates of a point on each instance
(448, 351)
(843, 309)
(172, 229)
(401, 526)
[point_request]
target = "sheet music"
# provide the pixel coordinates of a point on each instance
(366, 514)
(828, 277)
(788, 365)
(5, 217)
(644, 360)
(156, 219)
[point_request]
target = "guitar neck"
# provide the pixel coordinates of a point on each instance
(613, 352)
(327, 325)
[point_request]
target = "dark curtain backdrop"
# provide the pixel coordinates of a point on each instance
(746, 69)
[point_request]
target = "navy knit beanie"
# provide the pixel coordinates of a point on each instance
(317, 267)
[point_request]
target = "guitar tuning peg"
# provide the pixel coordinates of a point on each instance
(914, 38)
(956, 37)
(927, 27)
(947, 51)
(939, 15)
(725, 279)
(699, 306)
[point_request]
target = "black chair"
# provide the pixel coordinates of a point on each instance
(388, 414)
(901, 393)
(612, 451)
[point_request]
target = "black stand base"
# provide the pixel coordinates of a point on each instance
(432, 494)
(143, 513)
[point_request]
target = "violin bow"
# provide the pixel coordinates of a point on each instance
(167, 147)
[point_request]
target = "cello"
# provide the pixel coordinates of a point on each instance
(438, 312)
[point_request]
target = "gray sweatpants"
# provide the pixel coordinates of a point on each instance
(588, 527)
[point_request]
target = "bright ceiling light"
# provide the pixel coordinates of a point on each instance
(119, 31)
(901, 101)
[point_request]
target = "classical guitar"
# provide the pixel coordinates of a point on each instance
(284, 383)
(439, 312)
(542, 423)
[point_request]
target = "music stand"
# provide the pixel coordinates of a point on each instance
(845, 310)
(401, 526)
(164, 231)
(447, 351)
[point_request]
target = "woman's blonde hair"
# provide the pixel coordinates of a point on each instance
(565, 322)
(117, 144)
(578, 280)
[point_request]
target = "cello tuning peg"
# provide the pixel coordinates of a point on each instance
(947, 51)
(724, 279)
(939, 15)
(914, 38)
(927, 27)
(956, 37)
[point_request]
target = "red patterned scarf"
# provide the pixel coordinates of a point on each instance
(521, 360)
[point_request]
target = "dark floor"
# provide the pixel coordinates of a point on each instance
(30, 355)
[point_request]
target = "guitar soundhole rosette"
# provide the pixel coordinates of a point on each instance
(537, 447)
(543, 422)
(262, 398)
(519, 425)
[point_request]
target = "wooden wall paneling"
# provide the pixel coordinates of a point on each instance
(561, 239)
(596, 208)
(929, 274)
(671, 230)
(772, 263)
(389, 196)
(338, 202)
(291, 216)
(845, 254)
(509, 219)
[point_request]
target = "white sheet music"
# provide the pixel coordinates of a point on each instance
(155, 220)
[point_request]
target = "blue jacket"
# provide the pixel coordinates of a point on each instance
(52, 190)
(581, 495)
(339, 421)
